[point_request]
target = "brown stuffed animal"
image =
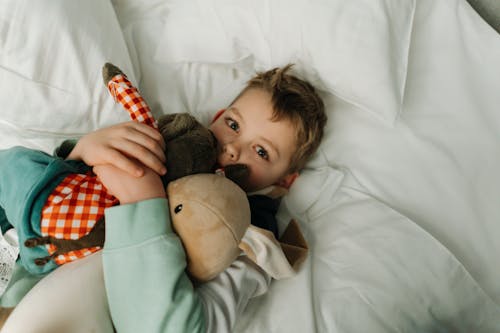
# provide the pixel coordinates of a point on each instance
(211, 215)
(190, 149)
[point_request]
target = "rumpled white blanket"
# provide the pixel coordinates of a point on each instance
(400, 205)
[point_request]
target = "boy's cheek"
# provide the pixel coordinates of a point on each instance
(218, 132)
(259, 179)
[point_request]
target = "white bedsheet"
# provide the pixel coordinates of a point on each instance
(400, 209)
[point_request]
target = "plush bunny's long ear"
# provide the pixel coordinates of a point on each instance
(124, 92)
(280, 259)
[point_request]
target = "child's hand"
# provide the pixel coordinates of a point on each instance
(116, 144)
(128, 188)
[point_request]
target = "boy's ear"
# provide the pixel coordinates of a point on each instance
(218, 114)
(288, 180)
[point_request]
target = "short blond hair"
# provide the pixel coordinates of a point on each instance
(296, 100)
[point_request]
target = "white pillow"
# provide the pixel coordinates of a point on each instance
(50, 66)
(355, 49)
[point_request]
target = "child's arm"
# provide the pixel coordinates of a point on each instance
(226, 297)
(128, 188)
(116, 145)
(147, 287)
(144, 262)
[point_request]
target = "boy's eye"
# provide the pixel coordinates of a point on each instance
(232, 124)
(262, 153)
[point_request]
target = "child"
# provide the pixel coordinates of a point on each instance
(273, 127)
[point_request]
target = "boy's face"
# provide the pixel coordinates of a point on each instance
(247, 135)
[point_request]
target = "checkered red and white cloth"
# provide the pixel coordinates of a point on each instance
(126, 94)
(72, 210)
(78, 202)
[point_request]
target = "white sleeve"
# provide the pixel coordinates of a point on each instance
(226, 297)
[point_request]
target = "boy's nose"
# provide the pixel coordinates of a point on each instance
(231, 151)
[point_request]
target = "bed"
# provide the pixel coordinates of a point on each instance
(400, 206)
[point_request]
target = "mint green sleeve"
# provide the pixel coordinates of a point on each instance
(144, 262)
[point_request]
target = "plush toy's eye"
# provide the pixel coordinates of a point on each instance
(177, 209)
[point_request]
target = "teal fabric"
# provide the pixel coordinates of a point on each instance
(27, 177)
(144, 297)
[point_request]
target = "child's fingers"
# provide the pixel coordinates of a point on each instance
(140, 155)
(128, 146)
(125, 163)
(151, 133)
(146, 137)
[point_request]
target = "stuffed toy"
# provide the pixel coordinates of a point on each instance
(190, 147)
(211, 214)
(58, 209)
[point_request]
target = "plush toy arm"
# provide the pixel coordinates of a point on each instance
(94, 238)
(127, 95)
(280, 259)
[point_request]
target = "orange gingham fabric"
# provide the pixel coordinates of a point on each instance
(127, 95)
(78, 202)
(72, 210)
